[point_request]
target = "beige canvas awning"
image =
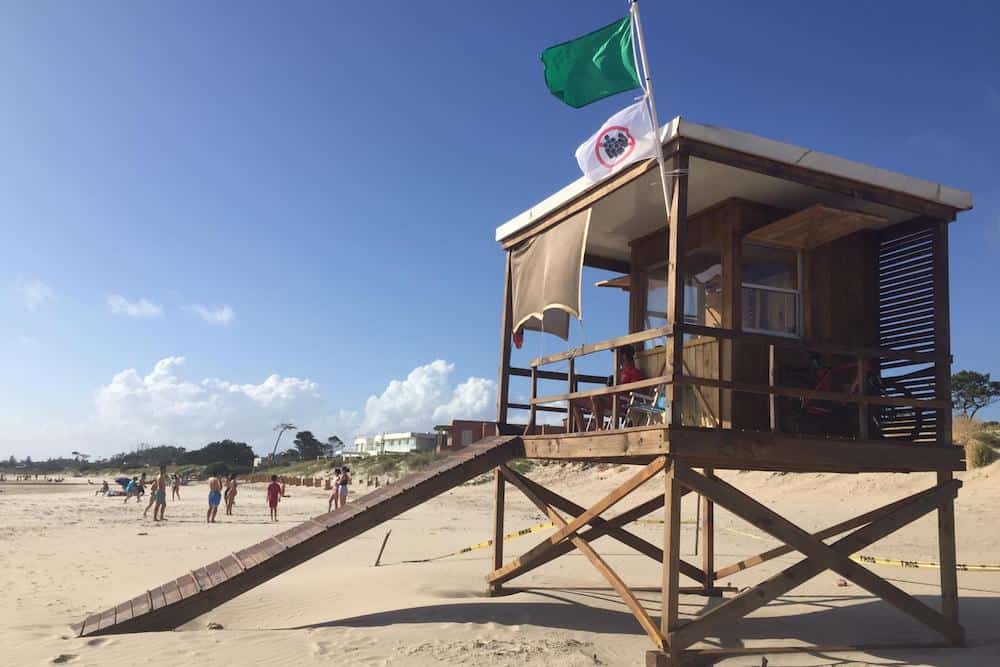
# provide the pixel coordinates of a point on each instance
(546, 273)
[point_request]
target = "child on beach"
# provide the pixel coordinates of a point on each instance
(345, 479)
(132, 489)
(273, 496)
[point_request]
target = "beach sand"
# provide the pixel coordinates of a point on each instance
(66, 553)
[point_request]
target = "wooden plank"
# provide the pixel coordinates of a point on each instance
(604, 391)
(204, 581)
(569, 528)
(499, 488)
(157, 599)
(777, 526)
(798, 174)
(636, 441)
(671, 549)
(946, 555)
(506, 332)
(188, 586)
(612, 578)
(606, 263)
(591, 348)
(171, 592)
(890, 519)
(107, 619)
(675, 251)
(556, 375)
(399, 497)
(707, 538)
(814, 226)
(942, 333)
(90, 625)
(123, 612)
(757, 450)
(610, 527)
(141, 605)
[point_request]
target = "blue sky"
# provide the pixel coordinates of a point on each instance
(332, 173)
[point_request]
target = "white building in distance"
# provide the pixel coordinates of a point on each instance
(395, 443)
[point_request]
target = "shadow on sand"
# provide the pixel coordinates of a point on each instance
(822, 621)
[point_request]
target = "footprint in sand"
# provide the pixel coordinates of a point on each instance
(63, 658)
(98, 641)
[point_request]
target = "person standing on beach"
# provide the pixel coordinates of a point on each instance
(334, 501)
(160, 495)
(132, 489)
(273, 496)
(345, 479)
(230, 494)
(214, 498)
(152, 498)
(175, 487)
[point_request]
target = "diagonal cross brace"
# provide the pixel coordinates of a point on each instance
(610, 575)
(823, 556)
(567, 529)
(611, 527)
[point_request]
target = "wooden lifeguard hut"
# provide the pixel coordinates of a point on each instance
(787, 311)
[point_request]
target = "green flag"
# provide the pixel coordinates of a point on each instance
(592, 67)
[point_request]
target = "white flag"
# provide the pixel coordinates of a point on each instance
(625, 138)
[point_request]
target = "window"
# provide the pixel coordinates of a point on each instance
(656, 297)
(770, 294)
(703, 288)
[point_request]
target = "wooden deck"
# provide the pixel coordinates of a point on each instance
(746, 450)
(194, 593)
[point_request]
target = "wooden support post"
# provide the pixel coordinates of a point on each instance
(942, 332)
(771, 398)
(571, 387)
(671, 548)
(506, 331)
(946, 554)
(708, 538)
(498, 509)
(676, 247)
(533, 413)
(862, 404)
(614, 383)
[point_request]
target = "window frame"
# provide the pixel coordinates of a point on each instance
(797, 293)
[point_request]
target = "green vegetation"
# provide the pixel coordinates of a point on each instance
(978, 454)
(972, 391)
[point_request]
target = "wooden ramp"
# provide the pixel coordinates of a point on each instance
(194, 593)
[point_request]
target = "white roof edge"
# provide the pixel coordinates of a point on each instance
(763, 147)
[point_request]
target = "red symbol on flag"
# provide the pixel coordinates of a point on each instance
(614, 144)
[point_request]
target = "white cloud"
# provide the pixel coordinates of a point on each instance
(33, 293)
(425, 398)
(142, 308)
(221, 315)
(166, 406)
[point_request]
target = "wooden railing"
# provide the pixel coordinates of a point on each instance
(863, 358)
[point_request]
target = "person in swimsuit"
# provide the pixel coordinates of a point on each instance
(214, 498)
(273, 496)
(175, 487)
(152, 498)
(230, 494)
(132, 489)
(160, 495)
(334, 501)
(345, 479)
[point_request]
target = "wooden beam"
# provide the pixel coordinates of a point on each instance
(777, 526)
(610, 575)
(498, 510)
(823, 181)
(708, 538)
(942, 333)
(631, 442)
(891, 518)
(590, 348)
(556, 375)
(567, 529)
(671, 548)
(946, 555)
(610, 527)
(506, 323)
(603, 391)
(676, 249)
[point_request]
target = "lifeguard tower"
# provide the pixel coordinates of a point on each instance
(788, 311)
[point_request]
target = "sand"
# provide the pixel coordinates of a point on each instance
(66, 553)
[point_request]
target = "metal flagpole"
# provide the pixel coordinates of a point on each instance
(637, 25)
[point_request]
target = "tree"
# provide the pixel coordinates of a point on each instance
(234, 454)
(281, 428)
(335, 443)
(309, 447)
(972, 391)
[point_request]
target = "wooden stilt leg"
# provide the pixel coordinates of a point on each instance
(671, 549)
(946, 552)
(495, 588)
(708, 539)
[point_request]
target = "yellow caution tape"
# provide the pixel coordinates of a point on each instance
(892, 562)
(488, 543)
